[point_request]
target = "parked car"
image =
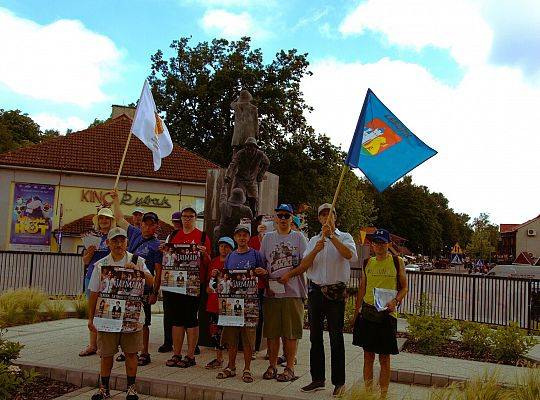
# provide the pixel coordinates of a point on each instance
(412, 267)
(516, 271)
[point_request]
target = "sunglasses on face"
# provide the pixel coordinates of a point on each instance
(283, 216)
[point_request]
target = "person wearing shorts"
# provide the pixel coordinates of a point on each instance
(108, 342)
(243, 258)
(283, 308)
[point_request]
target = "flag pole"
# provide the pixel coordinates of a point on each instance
(343, 171)
(122, 162)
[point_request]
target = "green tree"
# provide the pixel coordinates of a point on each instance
(17, 130)
(484, 238)
(195, 88)
(97, 122)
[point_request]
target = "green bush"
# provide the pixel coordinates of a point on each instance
(476, 338)
(428, 330)
(9, 350)
(81, 306)
(527, 385)
(349, 316)
(485, 388)
(21, 306)
(11, 376)
(56, 308)
(509, 343)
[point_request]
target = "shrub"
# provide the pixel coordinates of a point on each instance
(485, 388)
(56, 308)
(360, 392)
(11, 376)
(9, 351)
(476, 338)
(510, 342)
(429, 330)
(21, 306)
(81, 306)
(349, 316)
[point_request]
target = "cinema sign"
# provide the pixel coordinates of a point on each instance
(127, 198)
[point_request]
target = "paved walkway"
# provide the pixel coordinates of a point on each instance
(52, 348)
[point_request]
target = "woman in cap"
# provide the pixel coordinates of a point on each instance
(103, 222)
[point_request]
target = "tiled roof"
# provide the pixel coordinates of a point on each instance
(85, 224)
(503, 228)
(99, 150)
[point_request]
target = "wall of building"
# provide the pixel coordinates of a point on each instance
(80, 194)
(527, 243)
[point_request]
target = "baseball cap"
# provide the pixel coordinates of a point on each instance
(138, 210)
(176, 216)
(105, 212)
(117, 231)
(188, 207)
(284, 207)
(243, 227)
(325, 206)
(150, 215)
(380, 234)
(226, 240)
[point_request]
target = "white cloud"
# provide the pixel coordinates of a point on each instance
(62, 61)
(456, 25)
(484, 128)
(50, 121)
(231, 25)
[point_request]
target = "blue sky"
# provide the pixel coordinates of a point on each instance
(456, 71)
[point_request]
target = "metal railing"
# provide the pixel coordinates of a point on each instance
(54, 273)
(477, 298)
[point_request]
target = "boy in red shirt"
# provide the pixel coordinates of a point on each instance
(225, 246)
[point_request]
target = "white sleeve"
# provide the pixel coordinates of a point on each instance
(348, 241)
(310, 246)
(94, 284)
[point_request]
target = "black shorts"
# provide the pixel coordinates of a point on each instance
(147, 312)
(379, 338)
(182, 310)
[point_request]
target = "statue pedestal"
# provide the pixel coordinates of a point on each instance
(268, 198)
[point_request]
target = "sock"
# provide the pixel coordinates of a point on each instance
(131, 380)
(105, 382)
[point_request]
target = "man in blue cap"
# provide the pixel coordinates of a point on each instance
(375, 331)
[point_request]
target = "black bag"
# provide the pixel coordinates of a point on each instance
(370, 313)
(335, 292)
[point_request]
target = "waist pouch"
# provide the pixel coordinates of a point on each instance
(370, 313)
(336, 292)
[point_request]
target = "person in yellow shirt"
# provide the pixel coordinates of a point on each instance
(375, 331)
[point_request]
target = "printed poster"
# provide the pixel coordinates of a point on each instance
(31, 221)
(119, 305)
(237, 296)
(181, 270)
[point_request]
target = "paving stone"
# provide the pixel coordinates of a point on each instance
(194, 393)
(90, 379)
(251, 396)
(58, 374)
(158, 388)
(74, 377)
(405, 376)
(393, 375)
(421, 378)
(143, 385)
(439, 380)
(121, 383)
(176, 391)
(210, 394)
(228, 395)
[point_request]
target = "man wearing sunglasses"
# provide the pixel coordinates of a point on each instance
(283, 307)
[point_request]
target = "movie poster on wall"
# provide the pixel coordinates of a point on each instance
(181, 269)
(238, 300)
(119, 305)
(32, 216)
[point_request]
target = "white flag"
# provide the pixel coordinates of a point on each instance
(149, 127)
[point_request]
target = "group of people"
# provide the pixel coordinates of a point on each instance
(289, 270)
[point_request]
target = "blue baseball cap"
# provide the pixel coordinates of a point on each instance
(380, 235)
(284, 207)
(226, 240)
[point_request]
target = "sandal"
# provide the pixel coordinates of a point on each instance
(247, 377)
(174, 361)
(271, 373)
(226, 373)
(286, 376)
(215, 363)
(89, 351)
(187, 362)
(144, 359)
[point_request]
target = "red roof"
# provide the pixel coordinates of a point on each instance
(99, 150)
(503, 228)
(85, 224)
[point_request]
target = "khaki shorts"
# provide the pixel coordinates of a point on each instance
(283, 317)
(108, 343)
(231, 335)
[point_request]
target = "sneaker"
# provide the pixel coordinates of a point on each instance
(313, 387)
(132, 393)
(197, 350)
(339, 391)
(101, 394)
(164, 348)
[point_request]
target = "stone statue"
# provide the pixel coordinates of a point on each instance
(246, 170)
(246, 122)
(232, 211)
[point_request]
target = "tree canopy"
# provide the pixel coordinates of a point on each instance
(17, 129)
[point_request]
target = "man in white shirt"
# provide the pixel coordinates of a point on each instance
(326, 261)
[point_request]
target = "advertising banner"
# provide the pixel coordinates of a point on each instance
(119, 305)
(181, 270)
(32, 215)
(238, 300)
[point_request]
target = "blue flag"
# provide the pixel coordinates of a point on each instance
(383, 147)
